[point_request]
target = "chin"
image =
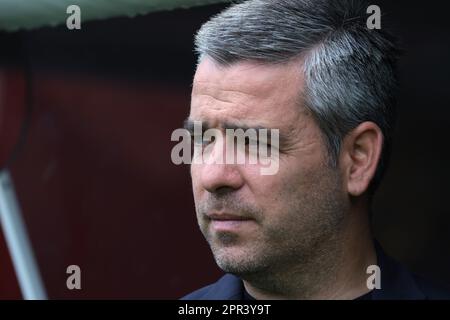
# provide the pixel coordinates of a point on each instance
(236, 261)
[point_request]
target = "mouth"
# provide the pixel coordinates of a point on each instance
(229, 222)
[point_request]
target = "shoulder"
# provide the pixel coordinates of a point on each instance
(229, 287)
(431, 290)
(397, 282)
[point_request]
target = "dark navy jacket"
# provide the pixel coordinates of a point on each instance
(396, 283)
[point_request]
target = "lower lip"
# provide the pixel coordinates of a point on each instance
(230, 225)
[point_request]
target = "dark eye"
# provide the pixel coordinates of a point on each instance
(213, 139)
(201, 140)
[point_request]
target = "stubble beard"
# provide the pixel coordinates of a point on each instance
(301, 245)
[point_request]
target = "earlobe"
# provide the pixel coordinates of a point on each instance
(362, 149)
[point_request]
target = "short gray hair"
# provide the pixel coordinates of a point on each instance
(350, 70)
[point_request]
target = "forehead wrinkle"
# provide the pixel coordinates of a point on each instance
(247, 77)
(289, 125)
(249, 91)
(263, 101)
(214, 101)
(218, 91)
(206, 107)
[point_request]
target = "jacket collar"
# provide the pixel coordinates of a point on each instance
(396, 281)
(229, 287)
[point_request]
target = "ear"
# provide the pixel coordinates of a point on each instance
(359, 157)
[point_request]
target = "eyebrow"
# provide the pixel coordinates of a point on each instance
(189, 125)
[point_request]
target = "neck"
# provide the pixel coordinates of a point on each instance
(336, 271)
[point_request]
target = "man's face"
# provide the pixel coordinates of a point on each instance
(255, 223)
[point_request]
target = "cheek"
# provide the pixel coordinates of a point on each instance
(267, 189)
(293, 179)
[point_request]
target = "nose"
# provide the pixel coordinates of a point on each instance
(218, 176)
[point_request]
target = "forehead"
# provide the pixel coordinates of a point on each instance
(249, 92)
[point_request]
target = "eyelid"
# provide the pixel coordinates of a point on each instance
(201, 138)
